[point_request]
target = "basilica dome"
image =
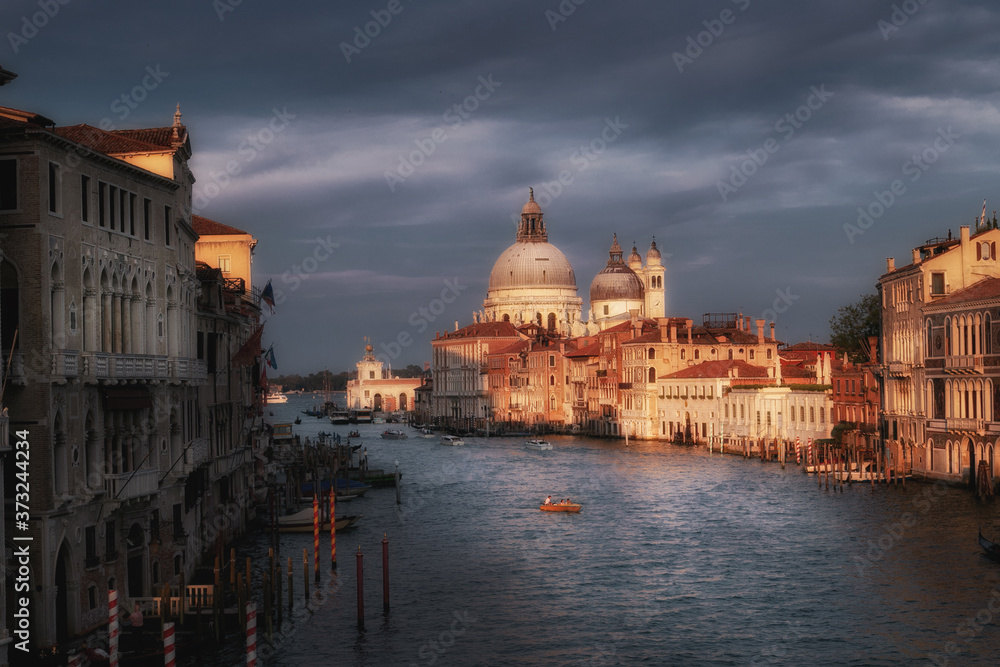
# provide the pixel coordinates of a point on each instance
(616, 282)
(532, 264)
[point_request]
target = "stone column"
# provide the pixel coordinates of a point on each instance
(106, 330)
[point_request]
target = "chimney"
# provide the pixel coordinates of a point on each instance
(965, 234)
(916, 255)
(746, 324)
(437, 335)
(760, 331)
(636, 324)
(673, 332)
(739, 322)
(689, 323)
(662, 323)
(456, 325)
(873, 346)
(772, 330)
(890, 264)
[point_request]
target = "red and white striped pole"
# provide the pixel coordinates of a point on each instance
(169, 655)
(113, 628)
(798, 450)
(251, 634)
(333, 528)
(316, 530)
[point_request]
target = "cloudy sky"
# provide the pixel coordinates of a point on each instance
(743, 134)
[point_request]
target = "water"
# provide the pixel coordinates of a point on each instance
(679, 557)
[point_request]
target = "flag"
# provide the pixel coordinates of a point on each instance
(269, 356)
(246, 355)
(267, 296)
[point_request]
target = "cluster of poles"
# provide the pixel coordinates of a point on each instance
(198, 598)
(844, 463)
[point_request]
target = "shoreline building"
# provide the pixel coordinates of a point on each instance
(375, 390)
(938, 354)
(102, 302)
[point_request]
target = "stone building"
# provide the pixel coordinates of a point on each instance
(108, 319)
(375, 390)
(924, 346)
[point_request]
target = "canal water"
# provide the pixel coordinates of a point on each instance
(679, 557)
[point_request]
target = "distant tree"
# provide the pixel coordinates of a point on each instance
(853, 324)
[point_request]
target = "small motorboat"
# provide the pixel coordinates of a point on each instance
(426, 433)
(560, 507)
(452, 440)
(992, 549)
(393, 434)
(538, 445)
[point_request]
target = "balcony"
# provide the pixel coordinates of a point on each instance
(129, 485)
(65, 363)
(143, 367)
(227, 463)
(16, 372)
(899, 369)
(956, 425)
(967, 364)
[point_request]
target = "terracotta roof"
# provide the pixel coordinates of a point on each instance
(591, 350)
(109, 143)
(484, 330)
(797, 372)
(205, 227)
(988, 288)
(156, 136)
(19, 117)
(514, 348)
(720, 369)
(809, 347)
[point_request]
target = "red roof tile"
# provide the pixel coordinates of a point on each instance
(988, 288)
(514, 348)
(484, 330)
(592, 350)
(720, 369)
(109, 143)
(205, 227)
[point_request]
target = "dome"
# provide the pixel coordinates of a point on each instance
(634, 259)
(653, 254)
(616, 283)
(532, 264)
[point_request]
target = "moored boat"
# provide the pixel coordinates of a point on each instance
(393, 434)
(560, 507)
(538, 445)
(992, 549)
(340, 417)
(426, 433)
(452, 440)
(302, 522)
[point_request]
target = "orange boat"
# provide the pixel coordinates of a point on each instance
(560, 507)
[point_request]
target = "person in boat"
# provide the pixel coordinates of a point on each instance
(548, 501)
(135, 618)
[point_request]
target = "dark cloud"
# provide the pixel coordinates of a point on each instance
(323, 177)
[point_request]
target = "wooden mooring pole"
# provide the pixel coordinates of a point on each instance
(361, 589)
(385, 573)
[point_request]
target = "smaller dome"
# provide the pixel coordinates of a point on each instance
(616, 283)
(654, 252)
(532, 207)
(634, 259)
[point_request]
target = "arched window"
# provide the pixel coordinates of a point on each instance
(651, 354)
(751, 354)
(697, 354)
(506, 317)
(552, 321)
(552, 380)
(769, 353)
(730, 353)
(652, 375)
(682, 354)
